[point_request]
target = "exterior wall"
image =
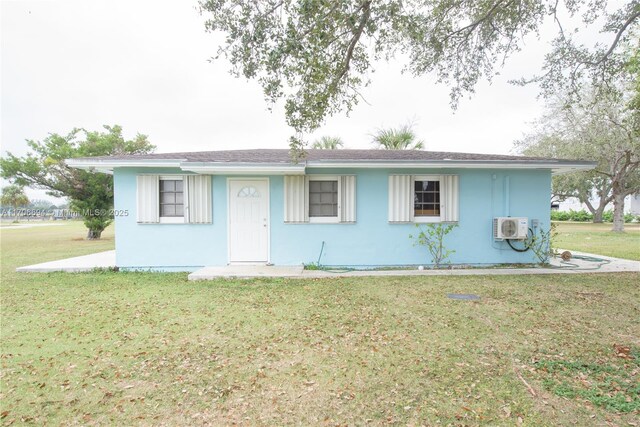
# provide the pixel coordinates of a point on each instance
(371, 241)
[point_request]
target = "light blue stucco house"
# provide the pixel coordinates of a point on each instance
(183, 211)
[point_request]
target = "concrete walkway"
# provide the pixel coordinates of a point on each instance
(5, 227)
(77, 264)
(580, 264)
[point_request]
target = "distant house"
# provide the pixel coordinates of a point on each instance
(631, 204)
(182, 211)
(634, 204)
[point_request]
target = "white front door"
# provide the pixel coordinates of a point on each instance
(249, 220)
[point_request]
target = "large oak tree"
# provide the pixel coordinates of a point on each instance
(602, 128)
(318, 55)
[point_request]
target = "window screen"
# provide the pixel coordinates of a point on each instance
(426, 198)
(171, 197)
(323, 198)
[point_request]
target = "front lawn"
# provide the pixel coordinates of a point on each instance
(599, 239)
(138, 348)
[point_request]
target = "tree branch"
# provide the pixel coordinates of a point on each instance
(366, 8)
(479, 21)
(621, 31)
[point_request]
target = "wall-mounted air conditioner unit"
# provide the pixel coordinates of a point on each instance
(510, 228)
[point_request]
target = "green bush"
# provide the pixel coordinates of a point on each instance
(584, 216)
(580, 216)
(631, 218)
(559, 216)
(607, 216)
(571, 215)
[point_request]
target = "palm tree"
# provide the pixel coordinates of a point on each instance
(328, 143)
(13, 195)
(402, 138)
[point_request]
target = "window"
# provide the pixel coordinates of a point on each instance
(426, 199)
(174, 199)
(320, 199)
(248, 192)
(171, 199)
(323, 199)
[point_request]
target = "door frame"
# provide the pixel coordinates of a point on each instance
(268, 197)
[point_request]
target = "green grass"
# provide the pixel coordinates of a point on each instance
(613, 387)
(599, 239)
(142, 348)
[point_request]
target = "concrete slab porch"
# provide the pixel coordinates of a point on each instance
(246, 272)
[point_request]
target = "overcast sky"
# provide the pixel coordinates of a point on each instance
(144, 65)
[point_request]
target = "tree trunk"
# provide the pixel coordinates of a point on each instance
(597, 214)
(94, 234)
(618, 212)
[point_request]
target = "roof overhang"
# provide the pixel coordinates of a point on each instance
(557, 168)
(244, 168)
(100, 165)
(223, 168)
(210, 168)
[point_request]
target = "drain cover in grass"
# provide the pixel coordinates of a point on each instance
(468, 297)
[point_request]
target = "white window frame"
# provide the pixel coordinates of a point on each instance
(323, 219)
(425, 219)
(172, 219)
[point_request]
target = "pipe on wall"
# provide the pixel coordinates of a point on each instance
(507, 192)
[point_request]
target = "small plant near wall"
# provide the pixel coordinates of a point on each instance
(312, 266)
(432, 237)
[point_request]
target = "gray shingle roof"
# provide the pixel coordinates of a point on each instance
(282, 156)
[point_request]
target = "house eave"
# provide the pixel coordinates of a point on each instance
(244, 168)
(221, 168)
(557, 168)
(108, 165)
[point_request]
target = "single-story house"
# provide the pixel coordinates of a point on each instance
(184, 211)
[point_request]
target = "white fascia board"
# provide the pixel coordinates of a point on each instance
(561, 170)
(243, 168)
(555, 167)
(107, 171)
(197, 167)
(108, 165)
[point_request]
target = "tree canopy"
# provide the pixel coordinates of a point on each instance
(328, 143)
(401, 138)
(14, 196)
(91, 193)
(600, 128)
(318, 55)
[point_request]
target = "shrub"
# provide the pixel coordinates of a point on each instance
(580, 216)
(584, 216)
(607, 216)
(541, 243)
(432, 237)
(631, 218)
(559, 216)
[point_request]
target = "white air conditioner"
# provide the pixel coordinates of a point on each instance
(510, 228)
